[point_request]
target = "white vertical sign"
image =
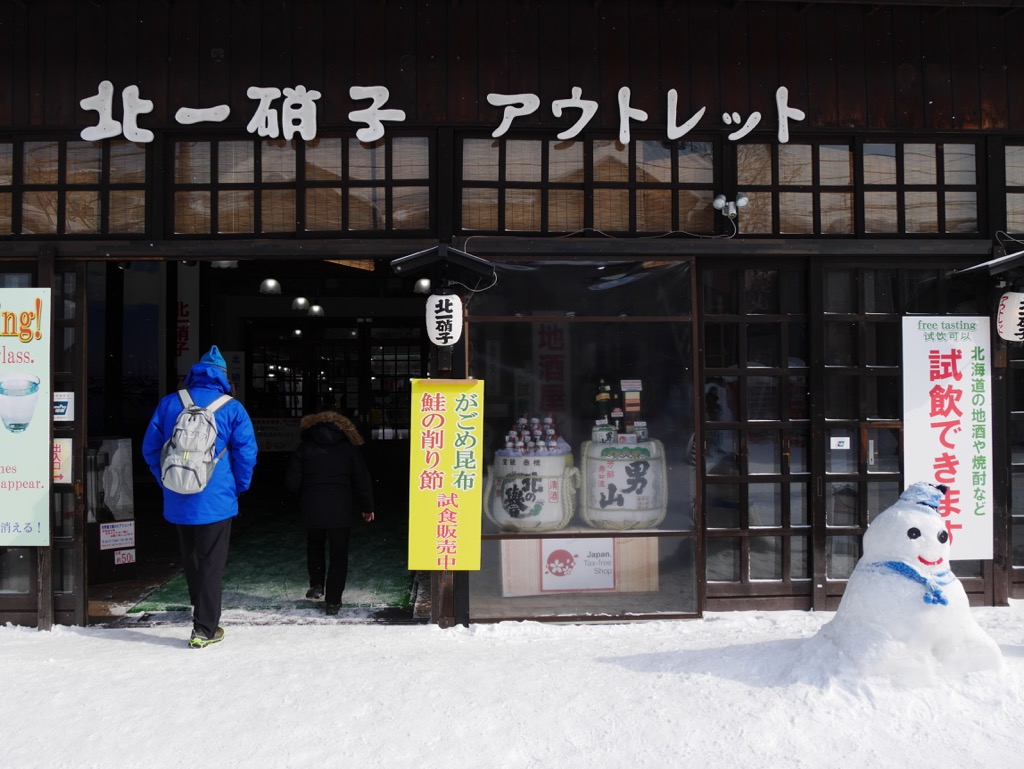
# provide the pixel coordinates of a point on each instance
(947, 423)
(25, 413)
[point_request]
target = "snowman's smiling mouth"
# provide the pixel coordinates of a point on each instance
(929, 563)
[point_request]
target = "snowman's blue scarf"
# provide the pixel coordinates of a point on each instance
(933, 586)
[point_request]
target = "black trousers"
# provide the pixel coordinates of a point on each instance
(204, 556)
(337, 572)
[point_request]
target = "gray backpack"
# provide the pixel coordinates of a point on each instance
(187, 459)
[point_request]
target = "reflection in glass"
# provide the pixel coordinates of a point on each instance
(765, 504)
(696, 163)
(836, 213)
(960, 163)
(879, 163)
(235, 165)
(841, 397)
(611, 210)
(277, 211)
(235, 211)
(884, 450)
(841, 555)
(761, 292)
(755, 164)
(798, 442)
(1014, 164)
(766, 558)
(841, 508)
(880, 291)
(1017, 544)
(479, 209)
(653, 161)
(323, 208)
(696, 213)
(835, 165)
(611, 161)
(795, 164)
(720, 294)
(277, 160)
(882, 344)
(763, 398)
(480, 159)
(522, 210)
(723, 506)
(410, 157)
(192, 212)
(799, 398)
(883, 397)
(723, 559)
(841, 344)
(961, 212)
(798, 515)
(842, 450)
(921, 211)
(756, 216)
(15, 570)
(565, 210)
(881, 212)
(653, 210)
(799, 559)
(796, 213)
(764, 347)
(82, 211)
(840, 290)
(920, 291)
(41, 162)
(881, 496)
(127, 211)
(919, 164)
(366, 161)
(764, 452)
(192, 162)
(523, 160)
(410, 208)
(84, 163)
(6, 164)
(565, 162)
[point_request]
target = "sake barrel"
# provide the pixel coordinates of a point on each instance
(531, 493)
(624, 485)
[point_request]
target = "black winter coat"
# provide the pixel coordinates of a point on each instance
(328, 473)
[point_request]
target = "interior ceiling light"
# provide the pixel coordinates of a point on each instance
(422, 286)
(300, 303)
(316, 311)
(270, 286)
(226, 265)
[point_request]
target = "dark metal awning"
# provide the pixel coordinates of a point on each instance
(999, 264)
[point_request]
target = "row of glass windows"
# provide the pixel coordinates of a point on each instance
(335, 184)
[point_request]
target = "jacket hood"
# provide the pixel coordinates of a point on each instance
(315, 424)
(209, 376)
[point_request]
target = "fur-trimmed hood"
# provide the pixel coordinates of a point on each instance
(325, 423)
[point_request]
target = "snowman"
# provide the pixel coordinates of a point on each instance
(904, 611)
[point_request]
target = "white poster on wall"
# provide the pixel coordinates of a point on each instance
(26, 452)
(947, 418)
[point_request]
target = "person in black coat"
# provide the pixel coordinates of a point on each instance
(328, 473)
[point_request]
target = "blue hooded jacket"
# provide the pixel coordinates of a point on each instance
(207, 381)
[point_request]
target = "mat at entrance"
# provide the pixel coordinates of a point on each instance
(266, 579)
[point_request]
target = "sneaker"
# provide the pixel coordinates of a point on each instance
(315, 592)
(333, 608)
(200, 639)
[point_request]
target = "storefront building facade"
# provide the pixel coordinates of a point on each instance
(705, 226)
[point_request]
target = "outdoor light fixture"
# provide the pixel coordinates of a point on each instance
(422, 286)
(300, 303)
(270, 286)
(227, 265)
(315, 311)
(730, 208)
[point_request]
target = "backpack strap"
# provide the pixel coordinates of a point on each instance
(216, 404)
(185, 398)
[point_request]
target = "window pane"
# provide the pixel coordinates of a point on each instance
(764, 345)
(6, 212)
(882, 344)
(695, 211)
(840, 291)
(323, 208)
(721, 347)
(835, 163)
(841, 451)
(38, 212)
(884, 451)
(880, 291)
(127, 211)
(919, 164)
(696, 163)
(961, 166)
(1014, 164)
(653, 162)
(723, 559)
(523, 161)
(15, 570)
(277, 211)
(796, 213)
(881, 496)
(522, 210)
(411, 208)
(127, 163)
(798, 442)
(323, 160)
(611, 161)
(880, 212)
(1015, 212)
(836, 213)
(921, 212)
(235, 166)
(841, 555)
(480, 160)
(84, 164)
(763, 398)
(884, 396)
(410, 157)
(766, 558)
(366, 207)
(841, 504)
(565, 162)
(192, 212)
(880, 164)
(840, 344)
(757, 215)
(40, 163)
(366, 161)
(800, 562)
(654, 210)
(565, 210)
(795, 165)
(82, 212)
(611, 210)
(235, 211)
(192, 162)
(761, 291)
(765, 501)
(962, 212)
(479, 209)
(6, 163)
(764, 452)
(278, 161)
(755, 164)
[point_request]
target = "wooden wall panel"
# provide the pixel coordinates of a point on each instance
(991, 50)
(935, 57)
(879, 63)
(848, 66)
(964, 68)
(59, 99)
(851, 89)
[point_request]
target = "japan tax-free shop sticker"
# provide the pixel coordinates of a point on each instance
(25, 461)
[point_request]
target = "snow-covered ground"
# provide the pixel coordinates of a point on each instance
(730, 690)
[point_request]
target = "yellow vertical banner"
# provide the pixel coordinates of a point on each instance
(445, 474)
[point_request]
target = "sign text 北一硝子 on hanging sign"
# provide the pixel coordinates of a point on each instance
(296, 113)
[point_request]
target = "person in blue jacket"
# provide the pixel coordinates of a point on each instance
(203, 520)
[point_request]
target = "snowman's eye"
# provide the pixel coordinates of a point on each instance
(913, 533)
(943, 537)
